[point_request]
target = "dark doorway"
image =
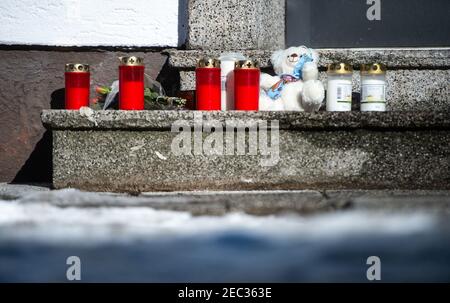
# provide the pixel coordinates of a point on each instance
(344, 23)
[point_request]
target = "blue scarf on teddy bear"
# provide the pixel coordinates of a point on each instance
(275, 91)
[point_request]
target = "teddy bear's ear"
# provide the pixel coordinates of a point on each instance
(277, 61)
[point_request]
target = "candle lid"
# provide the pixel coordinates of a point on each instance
(131, 61)
(246, 64)
(231, 56)
(373, 69)
(77, 67)
(341, 68)
(208, 62)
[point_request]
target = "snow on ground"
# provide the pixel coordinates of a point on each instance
(48, 223)
(39, 231)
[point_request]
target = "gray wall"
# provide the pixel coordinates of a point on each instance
(32, 79)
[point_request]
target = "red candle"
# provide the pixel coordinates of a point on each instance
(131, 83)
(208, 81)
(246, 85)
(77, 78)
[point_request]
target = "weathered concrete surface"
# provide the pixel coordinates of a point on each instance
(125, 151)
(132, 161)
(236, 24)
(187, 59)
(395, 58)
(391, 200)
(197, 203)
(163, 120)
(16, 191)
(218, 203)
(32, 80)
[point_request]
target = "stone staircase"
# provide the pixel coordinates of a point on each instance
(407, 147)
(418, 79)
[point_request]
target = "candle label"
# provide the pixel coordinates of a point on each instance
(373, 93)
(339, 95)
(343, 93)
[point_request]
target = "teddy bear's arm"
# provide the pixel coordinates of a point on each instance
(310, 71)
(267, 81)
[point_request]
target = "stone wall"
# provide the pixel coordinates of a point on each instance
(236, 24)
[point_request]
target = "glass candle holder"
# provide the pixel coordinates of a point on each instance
(246, 85)
(77, 83)
(373, 87)
(131, 83)
(207, 84)
(339, 87)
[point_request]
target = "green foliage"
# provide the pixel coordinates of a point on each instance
(152, 100)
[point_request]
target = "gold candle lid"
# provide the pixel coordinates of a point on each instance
(246, 64)
(341, 68)
(77, 67)
(208, 62)
(373, 69)
(131, 61)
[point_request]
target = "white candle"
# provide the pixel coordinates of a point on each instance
(373, 87)
(227, 61)
(339, 87)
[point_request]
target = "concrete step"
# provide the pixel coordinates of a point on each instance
(406, 58)
(418, 79)
(126, 151)
(261, 203)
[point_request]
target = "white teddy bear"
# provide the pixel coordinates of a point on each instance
(296, 86)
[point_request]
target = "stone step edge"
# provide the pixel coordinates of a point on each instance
(164, 120)
(252, 202)
(401, 58)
